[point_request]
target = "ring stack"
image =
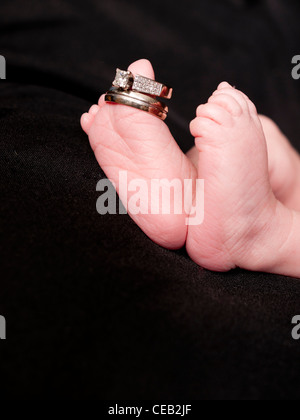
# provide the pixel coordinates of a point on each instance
(139, 92)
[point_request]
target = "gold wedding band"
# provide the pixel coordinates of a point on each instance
(137, 100)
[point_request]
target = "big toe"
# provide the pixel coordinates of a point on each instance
(142, 67)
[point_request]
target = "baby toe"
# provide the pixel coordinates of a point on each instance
(142, 67)
(202, 127)
(240, 97)
(224, 85)
(227, 102)
(101, 101)
(214, 113)
(94, 110)
(86, 122)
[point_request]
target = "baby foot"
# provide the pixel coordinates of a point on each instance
(127, 139)
(239, 202)
(284, 164)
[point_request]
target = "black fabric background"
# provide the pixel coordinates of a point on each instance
(94, 309)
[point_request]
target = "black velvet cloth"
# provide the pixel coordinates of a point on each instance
(94, 309)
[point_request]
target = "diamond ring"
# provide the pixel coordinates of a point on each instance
(137, 100)
(127, 81)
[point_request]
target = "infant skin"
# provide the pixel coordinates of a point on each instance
(251, 174)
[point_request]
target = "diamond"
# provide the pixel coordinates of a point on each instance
(123, 79)
(145, 85)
